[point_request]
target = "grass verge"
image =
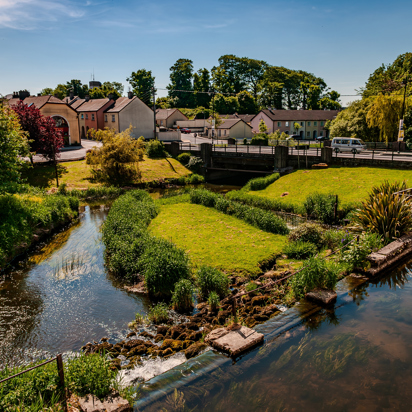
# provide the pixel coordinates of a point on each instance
(77, 175)
(214, 239)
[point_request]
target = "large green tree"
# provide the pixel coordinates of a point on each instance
(201, 87)
(180, 87)
(388, 79)
(13, 145)
(143, 83)
(247, 103)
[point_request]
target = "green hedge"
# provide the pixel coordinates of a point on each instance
(262, 219)
(260, 183)
(21, 214)
(132, 250)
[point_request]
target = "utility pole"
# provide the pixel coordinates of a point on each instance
(154, 112)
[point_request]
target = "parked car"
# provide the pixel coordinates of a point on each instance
(186, 131)
(322, 138)
(348, 144)
(295, 137)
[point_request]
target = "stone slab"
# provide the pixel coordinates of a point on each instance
(235, 341)
(322, 296)
(91, 403)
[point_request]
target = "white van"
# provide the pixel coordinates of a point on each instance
(348, 144)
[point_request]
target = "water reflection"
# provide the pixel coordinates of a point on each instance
(62, 296)
(354, 357)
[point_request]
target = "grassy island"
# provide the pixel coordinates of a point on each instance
(212, 238)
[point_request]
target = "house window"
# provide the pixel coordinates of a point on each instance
(308, 123)
(225, 132)
(321, 123)
(279, 124)
(287, 124)
(82, 116)
(161, 122)
(315, 123)
(113, 118)
(308, 134)
(321, 133)
(92, 116)
(87, 116)
(105, 117)
(301, 123)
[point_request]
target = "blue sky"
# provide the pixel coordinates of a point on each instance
(46, 42)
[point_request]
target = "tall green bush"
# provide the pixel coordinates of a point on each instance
(183, 295)
(184, 158)
(155, 149)
(317, 273)
(212, 280)
(321, 206)
(308, 232)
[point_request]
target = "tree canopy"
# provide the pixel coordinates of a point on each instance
(142, 82)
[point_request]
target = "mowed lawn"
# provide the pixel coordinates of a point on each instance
(352, 184)
(214, 239)
(78, 174)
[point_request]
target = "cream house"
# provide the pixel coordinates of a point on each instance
(231, 128)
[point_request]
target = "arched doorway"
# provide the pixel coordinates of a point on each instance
(301, 134)
(315, 134)
(63, 126)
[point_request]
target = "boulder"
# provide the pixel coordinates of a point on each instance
(234, 341)
(258, 300)
(322, 296)
(162, 330)
(91, 403)
(191, 326)
(167, 352)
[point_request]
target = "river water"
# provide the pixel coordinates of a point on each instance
(62, 297)
(356, 357)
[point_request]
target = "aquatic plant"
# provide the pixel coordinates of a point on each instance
(300, 250)
(316, 273)
(214, 301)
(159, 313)
(355, 254)
(182, 297)
(209, 280)
(335, 239)
(385, 213)
(321, 206)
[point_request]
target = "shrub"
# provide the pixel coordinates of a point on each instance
(155, 149)
(307, 232)
(355, 254)
(321, 206)
(317, 273)
(250, 287)
(183, 295)
(384, 213)
(184, 158)
(260, 139)
(195, 164)
(195, 179)
(90, 374)
(116, 161)
(212, 280)
(159, 313)
(214, 301)
(300, 250)
(259, 218)
(261, 183)
(22, 392)
(163, 265)
(245, 141)
(335, 239)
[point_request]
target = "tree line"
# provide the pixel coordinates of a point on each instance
(386, 97)
(237, 84)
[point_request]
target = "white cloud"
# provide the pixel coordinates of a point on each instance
(31, 14)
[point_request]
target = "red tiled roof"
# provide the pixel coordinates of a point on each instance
(77, 103)
(120, 104)
(38, 101)
(93, 105)
(300, 115)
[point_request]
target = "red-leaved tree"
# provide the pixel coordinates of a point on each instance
(43, 136)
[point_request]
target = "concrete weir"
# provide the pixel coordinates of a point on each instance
(234, 341)
(390, 255)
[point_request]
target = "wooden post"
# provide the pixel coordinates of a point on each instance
(60, 371)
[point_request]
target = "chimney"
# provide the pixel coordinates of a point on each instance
(110, 96)
(71, 94)
(87, 97)
(130, 95)
(23, 94)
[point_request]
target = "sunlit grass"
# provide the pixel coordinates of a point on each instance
(351, 184)
(77, 175)
(214, 239)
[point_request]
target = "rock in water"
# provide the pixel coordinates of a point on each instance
(235, 341)
(322, 296)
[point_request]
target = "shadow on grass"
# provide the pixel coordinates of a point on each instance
(42, 175)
